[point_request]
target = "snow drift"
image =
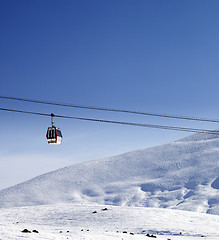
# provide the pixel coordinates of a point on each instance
(180, 175)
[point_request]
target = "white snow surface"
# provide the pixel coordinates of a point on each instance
(98, 222)
(182, 175)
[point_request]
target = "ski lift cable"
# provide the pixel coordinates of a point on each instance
(194, 130)
(113, 110)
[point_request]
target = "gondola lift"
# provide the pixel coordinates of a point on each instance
(54, 134)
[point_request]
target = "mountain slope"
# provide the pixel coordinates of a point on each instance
(77, 222)
(182, 175)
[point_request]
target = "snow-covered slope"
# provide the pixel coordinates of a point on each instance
(93, 222)
(182, 175)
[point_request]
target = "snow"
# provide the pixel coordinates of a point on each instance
(170, 191)
(181, 175)
(78, 221)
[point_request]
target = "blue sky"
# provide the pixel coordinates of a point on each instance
(145, 55)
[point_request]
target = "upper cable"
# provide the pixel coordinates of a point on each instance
(191, 118)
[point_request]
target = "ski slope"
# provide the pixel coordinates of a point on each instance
(95, 222)
(163, 192)
(181, 175)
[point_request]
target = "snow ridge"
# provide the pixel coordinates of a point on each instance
(181, 175)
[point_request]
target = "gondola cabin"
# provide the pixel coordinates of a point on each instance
(54, 135)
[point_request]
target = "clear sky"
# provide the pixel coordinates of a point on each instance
(145, 55)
